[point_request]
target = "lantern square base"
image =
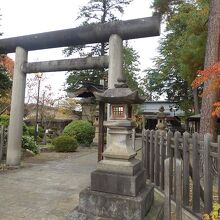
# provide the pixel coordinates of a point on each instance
(106, 206)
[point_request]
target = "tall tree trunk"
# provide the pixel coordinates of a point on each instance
(207, 122)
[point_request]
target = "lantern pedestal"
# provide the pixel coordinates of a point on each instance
(107, 206)
(118, 140)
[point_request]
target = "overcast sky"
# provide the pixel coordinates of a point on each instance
(34, 16)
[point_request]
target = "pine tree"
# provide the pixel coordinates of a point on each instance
(101, 11)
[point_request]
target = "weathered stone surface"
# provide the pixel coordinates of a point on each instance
(77, 215)
(17, 109)
(106, 206)
(121, 167)
(118, 141)
(88, 34)
(115, 59)
(67, 64)
(117, 183)
(120, 95)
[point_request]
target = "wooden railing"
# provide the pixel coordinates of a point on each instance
(200, 166)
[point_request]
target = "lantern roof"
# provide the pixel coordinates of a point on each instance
(120, 95)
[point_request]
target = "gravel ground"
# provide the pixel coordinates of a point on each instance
(46, 186)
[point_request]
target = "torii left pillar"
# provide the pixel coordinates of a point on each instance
(17, 109)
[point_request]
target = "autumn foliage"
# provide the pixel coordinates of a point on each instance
(7, 63)
(6, 71)
(211, 74)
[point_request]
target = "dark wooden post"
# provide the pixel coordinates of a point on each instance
(169, 149)
(207, 174)
(177, 137)
(170, 155)
(178, 177)
(186, 169)
(143, 142)
(167, 202)
(163, 155)
(157, 159)
(147, 153)
(101, 130)
(152, 155)
(195, 174)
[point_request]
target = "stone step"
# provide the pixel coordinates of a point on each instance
(156, 210)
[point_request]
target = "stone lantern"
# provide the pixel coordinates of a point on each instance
(119, 175)
(119, 125)
(161, 119)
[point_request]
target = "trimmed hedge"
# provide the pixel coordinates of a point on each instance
(65, 143)
(82, 130)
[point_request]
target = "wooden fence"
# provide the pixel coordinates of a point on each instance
(3, 141)
(200, 166)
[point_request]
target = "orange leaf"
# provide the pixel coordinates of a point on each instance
(7, 63)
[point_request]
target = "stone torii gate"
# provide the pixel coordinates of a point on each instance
(114, 32)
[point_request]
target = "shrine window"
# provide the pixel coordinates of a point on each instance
(118, 112)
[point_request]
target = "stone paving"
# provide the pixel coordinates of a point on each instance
(47, 186)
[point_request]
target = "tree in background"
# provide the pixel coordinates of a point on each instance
(49, 105)
(45, 100)
(68, 105)
(5, 75)
(182, 52)
(166, 8)
(131, 68)
(6, 71)
(207, 122)
(98, 11)
(102, 11)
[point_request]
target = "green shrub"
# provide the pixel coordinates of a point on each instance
(65, 143)
(4, 120)
(29, 143)
(31, 130)
(82, 130)
(49, 140)
(25, 130)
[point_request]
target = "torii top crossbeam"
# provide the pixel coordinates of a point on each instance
(94, 33)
